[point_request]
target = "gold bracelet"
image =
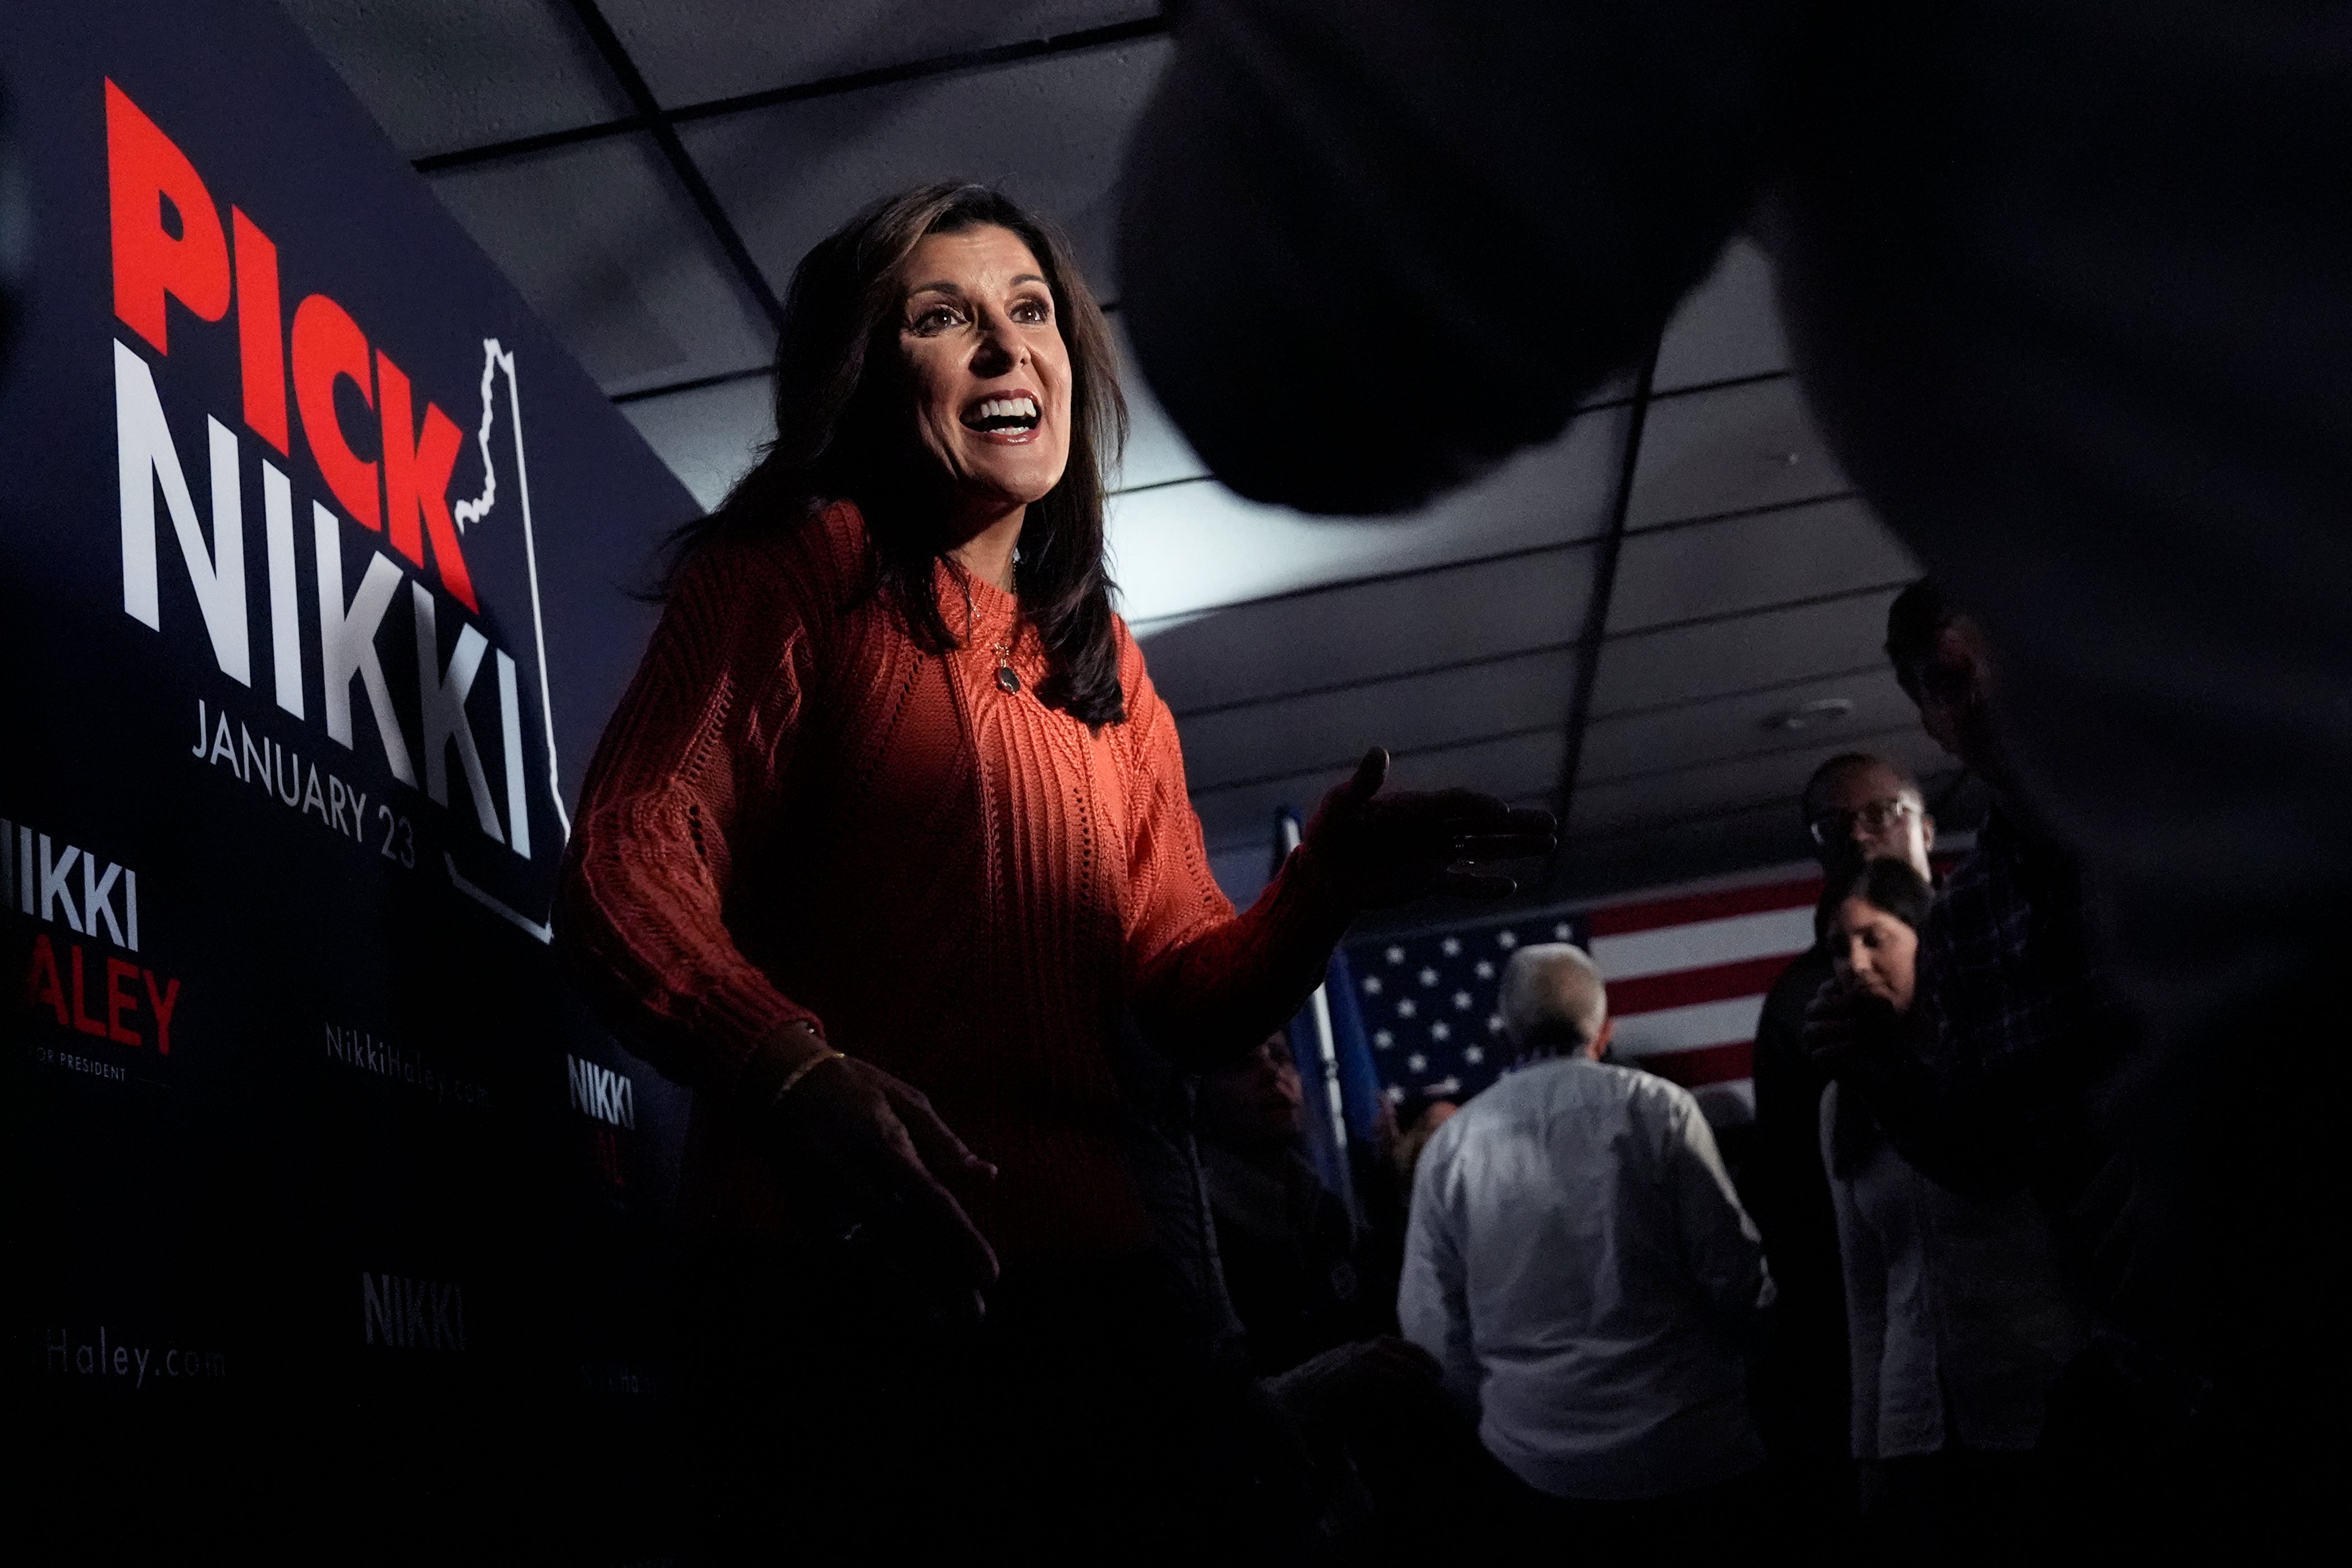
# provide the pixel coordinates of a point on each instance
(791, 1080)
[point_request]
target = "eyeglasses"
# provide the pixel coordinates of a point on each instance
(1872, 817)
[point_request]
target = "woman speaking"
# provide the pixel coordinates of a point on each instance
(884, 854)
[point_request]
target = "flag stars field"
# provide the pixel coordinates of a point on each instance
(1686, 976)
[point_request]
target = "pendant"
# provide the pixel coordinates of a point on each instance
(1006, 681)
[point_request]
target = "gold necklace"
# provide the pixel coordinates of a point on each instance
(1008, 679)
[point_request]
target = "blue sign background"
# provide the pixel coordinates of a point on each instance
(359, 1262)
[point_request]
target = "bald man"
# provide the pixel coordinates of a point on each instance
(1578, 1262)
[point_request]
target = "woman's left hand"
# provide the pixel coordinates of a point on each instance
(1392, 849)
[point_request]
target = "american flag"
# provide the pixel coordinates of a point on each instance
(1686, 979)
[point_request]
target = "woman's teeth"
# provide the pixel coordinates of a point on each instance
(1004, 414)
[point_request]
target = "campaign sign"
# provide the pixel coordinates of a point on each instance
(333, 1210)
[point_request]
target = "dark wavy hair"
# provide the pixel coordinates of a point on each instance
(1893, 886)
(1897, 887)
(845, 431)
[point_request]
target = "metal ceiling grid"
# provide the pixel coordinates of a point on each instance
(717, 50)
(1771, 780)
(1515, 767)
(637, 290)
(1714, 450)
(1727, 331)
(1157, 453)
(1718, 729)
(708, 434)
(1325, 733)
(1327, 640)
(1754, 560)
(1184, 548)
(1048, 130)
(1716, 655)
(446, 76)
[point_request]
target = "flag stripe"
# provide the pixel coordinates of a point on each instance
(1711, 1064)
(1680, 987)
(1703, 944)
(1683, 1029)
(1624, 919)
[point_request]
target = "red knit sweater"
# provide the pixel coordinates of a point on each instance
(798, 815)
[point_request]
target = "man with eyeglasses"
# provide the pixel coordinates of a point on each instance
(1986, 1089)
(1990, 1083)
(1857, 808)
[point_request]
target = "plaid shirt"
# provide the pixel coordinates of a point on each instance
(2012, 1026)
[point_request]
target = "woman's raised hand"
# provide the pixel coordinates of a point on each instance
(873, 1145)
(1391, 849)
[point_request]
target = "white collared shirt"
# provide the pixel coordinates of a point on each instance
(1958, 1316)
(1578, 1263)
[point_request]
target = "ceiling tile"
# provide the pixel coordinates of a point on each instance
(1728, 326)
(1525, 765)
(1190, 546)
(1715, 658)
(1629, 859)
(710, 436)
(1727, 450)
(1752, 562)
(1367, 630)
(603, 245)
(721, 49)
(1409, 713)
(442, 74)
(1726, 787)
(1157, 451)
(1723, 728)
(1048, 132)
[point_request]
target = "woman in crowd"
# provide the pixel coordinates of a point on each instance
(888, 855)
(1433, 1115)
(1958, 1320)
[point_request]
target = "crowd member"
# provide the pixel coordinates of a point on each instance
(1986, 1085)
(1293, 1260)
(1414, 1139)
(1989, 1081)
(1391, 1458)
(1578, 1264)
(2032, 326)
(1959, 1321)
(1855, 808)
(888, 832)
(1383, 1195)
